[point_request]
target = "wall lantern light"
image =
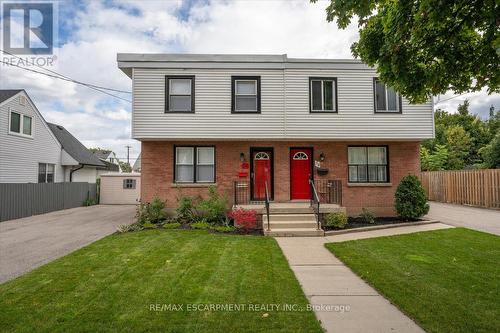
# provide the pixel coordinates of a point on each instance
(321, 157)
(242, 157)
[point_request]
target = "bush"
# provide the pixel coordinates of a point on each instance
(203, 225)
(337, 220)
(186, 211)
(172, 225)
(122, 228)
(367, 216)
(224, 228)
(149, 226)
(244, 219)
(151, 212)
(411, 201)
(89, 202)
(214, 207)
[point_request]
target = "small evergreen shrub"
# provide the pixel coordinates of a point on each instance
(336, 220)
(203, 225)
(411, 201)
(244, 219)
(186, 211)
(153, 212)
(214, 207)
(367, 216)
(123, 228)
(172, 225)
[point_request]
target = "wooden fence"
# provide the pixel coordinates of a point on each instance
(21, 200)
(465, 187)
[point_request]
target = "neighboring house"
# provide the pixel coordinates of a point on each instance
(137, 164)
(109, 158)
(80, 164)
(29, 151)
(240, 122)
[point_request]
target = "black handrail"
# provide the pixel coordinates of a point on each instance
(267, 207)
(315, 202)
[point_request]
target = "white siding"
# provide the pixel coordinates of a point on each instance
(113, 193)
(279, 88)
(19, 156)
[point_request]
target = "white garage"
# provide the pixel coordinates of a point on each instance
(120, 189)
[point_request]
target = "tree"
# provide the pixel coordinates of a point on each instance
(491, 153)
(425, 48)
(438, 160)
(458, 142)
(124, 166)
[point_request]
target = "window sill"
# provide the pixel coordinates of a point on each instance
(369, 184)
(21, 135)
(193, 185)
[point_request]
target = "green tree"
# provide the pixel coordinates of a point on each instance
(458, 142)
(491, 153)
(434, 161)
(425, 48)
(125, 166)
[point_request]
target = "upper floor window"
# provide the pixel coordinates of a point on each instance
(322, 94)
(179, 94)
(245, 92)
(386, 98)
(46, 172)
(20, 124)
(367, 164)
(194, 165)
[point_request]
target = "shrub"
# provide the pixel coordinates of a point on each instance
(149, 226)
(89, 202)
(411, 201)
(186, 211)
(224, 228)
(214, 207)
(151, 212)
(200, 225)
(367, 216)
(172, 225)
(244, 219)
(337, 220)
(122, 228)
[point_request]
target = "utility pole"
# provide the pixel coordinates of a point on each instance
(128, 154)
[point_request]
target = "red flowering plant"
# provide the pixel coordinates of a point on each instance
(244, 219)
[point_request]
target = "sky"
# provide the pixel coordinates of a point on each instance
(91, 33)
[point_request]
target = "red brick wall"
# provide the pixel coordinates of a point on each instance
(157, 171)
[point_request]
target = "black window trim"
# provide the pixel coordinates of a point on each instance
(195, 163)
(334, 79)
(400, 106)
(388, 180)
(132, 184)
(233, 91)
(167, 92)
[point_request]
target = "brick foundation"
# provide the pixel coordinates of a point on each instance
(157, 163)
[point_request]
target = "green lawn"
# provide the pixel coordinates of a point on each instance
(110, 285)
(446, 280)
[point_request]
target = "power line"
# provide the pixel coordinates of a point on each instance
(64, 76)
(444, 100)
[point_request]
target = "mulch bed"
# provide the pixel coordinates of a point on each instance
(353, 223)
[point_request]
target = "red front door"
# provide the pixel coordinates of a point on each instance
(300, 172)
(261, 173)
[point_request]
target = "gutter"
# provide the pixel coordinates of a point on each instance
(73, 170)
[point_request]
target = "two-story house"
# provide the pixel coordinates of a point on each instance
(244, 122)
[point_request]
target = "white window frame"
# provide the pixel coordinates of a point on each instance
(255, 94)
(21, 124)
(386, 110)
(46, 172)
(334, 95)
(210, 164)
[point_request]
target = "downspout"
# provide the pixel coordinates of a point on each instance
(73, 170)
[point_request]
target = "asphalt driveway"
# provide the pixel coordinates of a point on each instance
(487, 220)
(32, 241)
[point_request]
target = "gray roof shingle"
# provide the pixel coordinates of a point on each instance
(5, 94)
(74, 147)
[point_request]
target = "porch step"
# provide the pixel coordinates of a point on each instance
(299, 209)
(290, 217)
(294, 232)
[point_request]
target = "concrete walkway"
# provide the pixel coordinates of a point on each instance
(482, 219)
(32, 241)
(327, 282)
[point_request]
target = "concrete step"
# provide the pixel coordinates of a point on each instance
(290, 210)
(292, 225)
(289, 217)
(295, 232)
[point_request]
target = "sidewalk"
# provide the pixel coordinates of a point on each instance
(327, 281)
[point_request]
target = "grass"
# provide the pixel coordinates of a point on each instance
(109, 286)
(446, 280)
